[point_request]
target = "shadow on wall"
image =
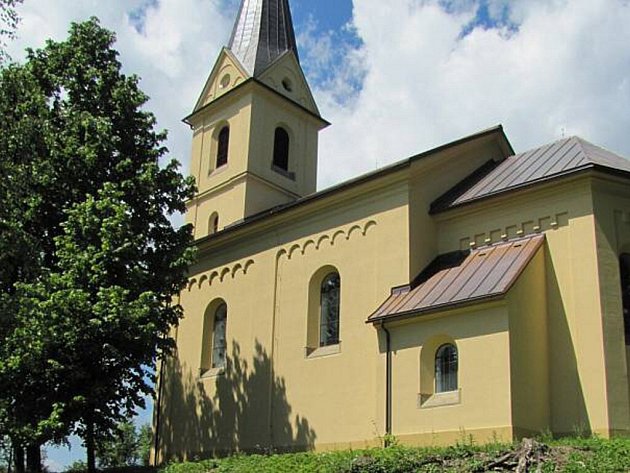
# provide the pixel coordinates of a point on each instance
(199, 422)
(569, 415)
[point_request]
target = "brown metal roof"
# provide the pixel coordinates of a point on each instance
(553, 160)
(460, 278)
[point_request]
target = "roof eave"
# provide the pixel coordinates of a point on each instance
(436, 309)
(250, 80)
(380, 173)
(527, 185)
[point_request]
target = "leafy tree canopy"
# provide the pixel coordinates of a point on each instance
(89, 261)
(129, 446)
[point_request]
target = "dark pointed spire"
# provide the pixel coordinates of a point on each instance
(262, 33)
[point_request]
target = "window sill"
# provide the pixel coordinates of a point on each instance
(285, 173)
(451, 398)
(212, 373)
(219, 170)
(319, 352)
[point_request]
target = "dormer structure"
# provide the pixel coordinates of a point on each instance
(255, 125)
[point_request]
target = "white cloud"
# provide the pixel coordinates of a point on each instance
(566, 67)
(173, 52)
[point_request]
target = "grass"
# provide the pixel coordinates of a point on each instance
(567, 455)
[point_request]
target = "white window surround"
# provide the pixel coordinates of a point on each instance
(449, 398)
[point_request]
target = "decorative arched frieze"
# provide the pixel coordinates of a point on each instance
(221, 274)
(202, 279)
(368, 226)
(294, 249)
(321, 240)
(327, 239)
(247, 265)
(214, 277)
(336, 235)
(191, 283)
(224, 273)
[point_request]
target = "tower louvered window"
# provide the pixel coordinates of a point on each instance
(223, 146)
(281, 149)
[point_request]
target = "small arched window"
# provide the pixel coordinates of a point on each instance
(213, 224)
(624, 270)
(281, 149)
(223, 146)
(446, 369)
(329, 310)
(219, 341)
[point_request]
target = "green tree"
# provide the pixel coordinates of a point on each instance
(92, 260)
(145, 443)
(122, 449)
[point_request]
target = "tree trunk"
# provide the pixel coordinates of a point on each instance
(18, 459)
(34, 459)
(10, 462)
(90, 446)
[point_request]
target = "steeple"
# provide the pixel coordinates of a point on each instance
(255, 125)
(262, 33)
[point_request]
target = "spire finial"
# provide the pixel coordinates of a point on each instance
(262, 33)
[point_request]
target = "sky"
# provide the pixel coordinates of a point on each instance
(394, 78)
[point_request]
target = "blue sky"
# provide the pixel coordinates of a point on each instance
(394, 77)
(329, 14)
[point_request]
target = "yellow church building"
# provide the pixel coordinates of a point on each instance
(466, 292)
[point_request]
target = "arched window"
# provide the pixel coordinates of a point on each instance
(446, 369)
(281, 149)
(213, 224)
(223, 146)
(624, 270)
(329, 310)
(219, 342)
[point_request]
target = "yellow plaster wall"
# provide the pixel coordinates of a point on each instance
(303, 403)
(430, 178)
(564, 211)
(252, 113)
(269, 112)
(226, 74)
(529, 358)
(612, 219)
(481, 336)
(219, 189)
(287, 67)
(247, 184)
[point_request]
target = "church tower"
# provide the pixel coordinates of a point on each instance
(255, 125)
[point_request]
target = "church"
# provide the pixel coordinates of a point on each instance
(469, 292)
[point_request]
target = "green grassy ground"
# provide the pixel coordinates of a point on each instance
(567, 455)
